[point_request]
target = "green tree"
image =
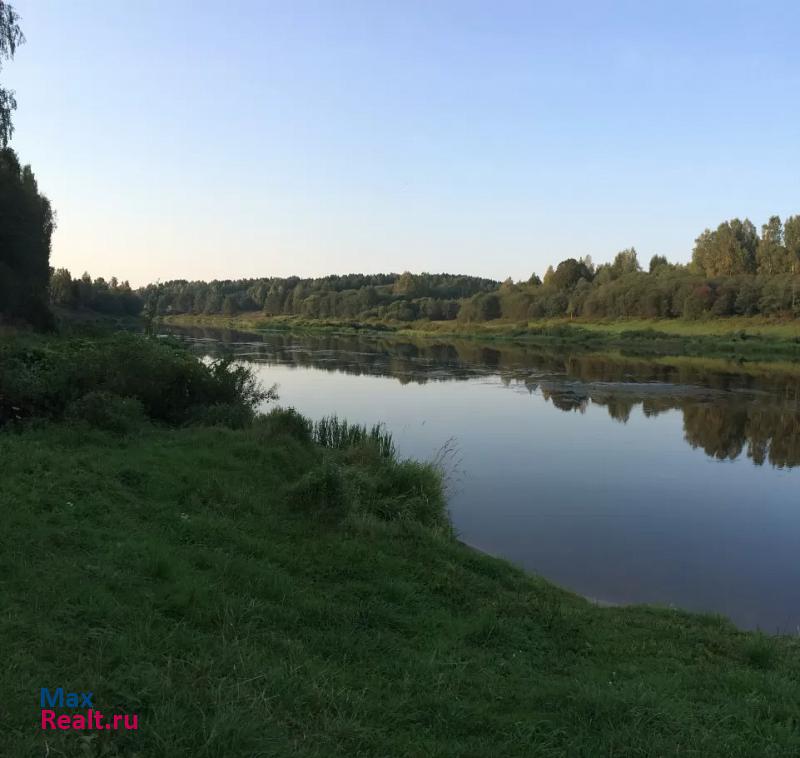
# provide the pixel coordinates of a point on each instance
(26, 217)
(229, 306)
(26, 228)
(10, 38)
(771, 256)
(568, 274)
(408, 284)
(62, 291)
(658, 262)
(85, 290)
(727, 251)
(625, 262)
(791, 239)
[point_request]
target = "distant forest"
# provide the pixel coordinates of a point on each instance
(734, 270)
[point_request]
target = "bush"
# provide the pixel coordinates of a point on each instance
(698, 302)
(285, 421)
(105, 410)
(231, 415)
(41, 377)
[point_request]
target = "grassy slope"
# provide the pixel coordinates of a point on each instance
(171, 573)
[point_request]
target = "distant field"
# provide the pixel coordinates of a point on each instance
(780, 329)
(753, 338)
(783, 329)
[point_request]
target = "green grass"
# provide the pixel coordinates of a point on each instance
(271, 587)
(194, 576)
(753, 338)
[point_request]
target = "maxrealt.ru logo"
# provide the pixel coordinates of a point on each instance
(91, 719)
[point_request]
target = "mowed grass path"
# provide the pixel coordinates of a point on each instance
(172, 573)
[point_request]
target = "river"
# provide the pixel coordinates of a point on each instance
(667, 481)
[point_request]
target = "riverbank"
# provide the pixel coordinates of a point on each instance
(748, 338)
(253, 586)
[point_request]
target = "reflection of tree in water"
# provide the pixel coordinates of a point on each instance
(721, 428)
(716, 428)
(565, 399)
(771, 433)
(619, 408)
(725, 408)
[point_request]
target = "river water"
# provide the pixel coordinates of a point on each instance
(670, 481)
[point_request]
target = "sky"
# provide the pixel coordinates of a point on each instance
(199, 140)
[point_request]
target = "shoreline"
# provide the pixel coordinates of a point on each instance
(736, 338)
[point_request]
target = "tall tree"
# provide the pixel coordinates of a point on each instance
(625, 262)
(62, 291)
(727, 251)
(791, 238)
(658, 262)
(26, 218)
(568, 273)
(26, 226)
(10, 38)
(771, 254)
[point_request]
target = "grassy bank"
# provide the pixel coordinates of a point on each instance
(284, 589)
(745, 337)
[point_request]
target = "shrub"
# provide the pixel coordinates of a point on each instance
(41, 377)
(231, 415)
(698, 302)
(105, 410)
(285, 421)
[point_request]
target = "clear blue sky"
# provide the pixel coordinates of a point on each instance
(184, 138)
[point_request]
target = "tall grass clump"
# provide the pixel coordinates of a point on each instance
(286, 422)
(406, 491)
(337, 434)
(359, 473)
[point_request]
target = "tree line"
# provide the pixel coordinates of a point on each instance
(734, 270)
(395, 297)
(110, 297)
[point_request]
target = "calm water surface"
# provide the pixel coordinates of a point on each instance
(673, 482)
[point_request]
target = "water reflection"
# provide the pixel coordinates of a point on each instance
(728, 409)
